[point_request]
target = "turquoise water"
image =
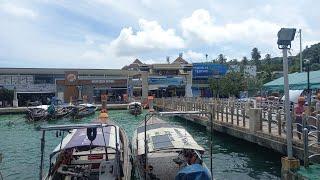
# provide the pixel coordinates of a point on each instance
(232, 158)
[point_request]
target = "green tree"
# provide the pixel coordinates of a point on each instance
(255, 56)
(268, 59)
(244, 61)
(233, 62)
(229, 85)
(221, 59)
(315, 67)
(6, 95)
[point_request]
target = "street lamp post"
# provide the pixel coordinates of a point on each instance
(307, 63)
(285, 36)
(300, 57)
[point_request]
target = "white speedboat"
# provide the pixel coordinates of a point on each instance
(171, 152)
(89, 151)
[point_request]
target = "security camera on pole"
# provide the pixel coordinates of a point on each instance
(285, 36)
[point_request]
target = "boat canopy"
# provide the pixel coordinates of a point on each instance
(195, 171)
(164, 136)
(78, 138)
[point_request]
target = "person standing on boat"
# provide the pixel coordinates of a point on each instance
(298, 112)
(103, 117)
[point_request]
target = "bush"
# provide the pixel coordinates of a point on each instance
(6, 95)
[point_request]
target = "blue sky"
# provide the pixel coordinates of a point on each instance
(111, 34)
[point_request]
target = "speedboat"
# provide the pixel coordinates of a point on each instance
(37, 113)
(59, 112)
(171, 152)
(96, 151)
(135, 108)
(83, 110)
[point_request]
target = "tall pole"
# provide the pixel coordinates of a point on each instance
(286, 102)
(309, 90)
(300, 50)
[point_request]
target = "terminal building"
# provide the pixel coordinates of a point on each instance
(166, 79)
(40, 84)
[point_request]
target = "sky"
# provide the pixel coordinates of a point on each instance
(112, 33)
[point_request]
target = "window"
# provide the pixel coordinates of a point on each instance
(43, 79)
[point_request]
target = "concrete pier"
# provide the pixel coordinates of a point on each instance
(241, 120)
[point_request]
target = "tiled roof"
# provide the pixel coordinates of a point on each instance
(179, 60)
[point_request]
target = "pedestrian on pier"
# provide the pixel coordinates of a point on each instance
(298, 112)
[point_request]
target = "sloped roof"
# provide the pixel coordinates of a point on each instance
(180, 60)
(297, 81)
(125, 67)
(134, 65)
(137, 61)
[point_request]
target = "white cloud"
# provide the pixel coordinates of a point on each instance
(17, 10)
(149, 38)
(194, 56)
(201, 26)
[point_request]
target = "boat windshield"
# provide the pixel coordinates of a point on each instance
(78, 138)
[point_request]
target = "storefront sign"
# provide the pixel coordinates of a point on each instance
(102, 81)
(71, 77)
(205, 70)
(166, 81)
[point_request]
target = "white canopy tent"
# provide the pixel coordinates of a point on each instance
(293, 95)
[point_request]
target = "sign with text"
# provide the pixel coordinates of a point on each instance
(165, 80)
(205, 70)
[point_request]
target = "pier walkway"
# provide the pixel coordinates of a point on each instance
(264, 124)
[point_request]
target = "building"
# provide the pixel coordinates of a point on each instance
(202, 73)
(40, 84)
(250, 70)
(167, 79)
(234, 68)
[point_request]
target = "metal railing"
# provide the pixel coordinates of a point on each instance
(235, 112)
(311, 130)
(273, 121)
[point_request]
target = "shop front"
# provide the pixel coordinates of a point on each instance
(73, 88)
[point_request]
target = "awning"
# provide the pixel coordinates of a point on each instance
(297, 81)
(35, 92)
